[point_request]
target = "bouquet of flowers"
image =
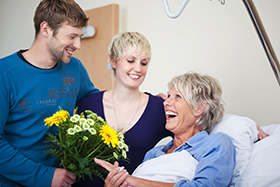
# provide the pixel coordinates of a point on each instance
(80, 139)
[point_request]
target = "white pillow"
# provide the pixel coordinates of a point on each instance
(243, 133)
(271, 129)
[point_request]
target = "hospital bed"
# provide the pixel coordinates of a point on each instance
(257, 161)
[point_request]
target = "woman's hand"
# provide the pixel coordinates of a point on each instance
(261, 134)
(116, 176)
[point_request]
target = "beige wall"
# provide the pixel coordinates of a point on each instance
(208, 37)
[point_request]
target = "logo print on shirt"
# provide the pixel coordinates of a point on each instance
(68, 81)
(70, 90)
(22, 105)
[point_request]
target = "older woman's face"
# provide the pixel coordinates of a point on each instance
(179, 117)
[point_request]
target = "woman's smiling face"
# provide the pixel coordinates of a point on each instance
(131, 68)
(179, 116)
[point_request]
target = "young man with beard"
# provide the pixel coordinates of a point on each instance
(34, 84)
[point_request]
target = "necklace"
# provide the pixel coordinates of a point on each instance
(133, 114)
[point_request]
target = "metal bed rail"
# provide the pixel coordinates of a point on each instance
(253, 13)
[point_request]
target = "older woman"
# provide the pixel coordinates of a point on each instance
(193, 106)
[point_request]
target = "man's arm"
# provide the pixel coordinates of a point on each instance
(16, 168)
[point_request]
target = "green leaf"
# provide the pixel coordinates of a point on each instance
(83, 162)
(71, 166)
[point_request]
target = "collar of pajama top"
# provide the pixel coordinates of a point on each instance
(193, 142)
(215, 155)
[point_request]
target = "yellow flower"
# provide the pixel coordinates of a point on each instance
(58, 117)
(109, 135)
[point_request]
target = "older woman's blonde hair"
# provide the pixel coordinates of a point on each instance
(201, 91)
(132, 40)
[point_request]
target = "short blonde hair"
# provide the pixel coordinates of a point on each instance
(125, 40)
(200, 90)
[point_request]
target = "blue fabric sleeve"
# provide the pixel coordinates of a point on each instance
(14, 165)
(20, 169)
(86, 86)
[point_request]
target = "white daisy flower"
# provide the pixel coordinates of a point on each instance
(77, 128)
(71, 131)
(86, 126)
(75, 118)
(92, 131)
(83, 120)
(90, 121)
(121, 144)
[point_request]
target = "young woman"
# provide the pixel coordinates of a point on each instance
(140, 115)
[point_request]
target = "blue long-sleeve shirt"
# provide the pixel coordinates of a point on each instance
(215, 155)
(28, 96)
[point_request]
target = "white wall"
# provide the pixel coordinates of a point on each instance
(208, 37)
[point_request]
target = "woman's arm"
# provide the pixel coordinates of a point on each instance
(120, 177)
(138, 182)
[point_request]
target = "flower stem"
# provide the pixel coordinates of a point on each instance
(95, 150)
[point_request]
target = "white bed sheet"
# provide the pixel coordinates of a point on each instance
(263, 169)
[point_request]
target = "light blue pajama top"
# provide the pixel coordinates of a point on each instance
(215, 155)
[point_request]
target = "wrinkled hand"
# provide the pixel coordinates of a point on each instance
(261, 134)
(116, 176)
(62, 178)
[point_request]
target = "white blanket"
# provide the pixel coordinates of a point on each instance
(168, 168)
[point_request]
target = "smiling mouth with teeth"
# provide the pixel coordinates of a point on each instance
(134, 76)
(170, 114)
(69, 51)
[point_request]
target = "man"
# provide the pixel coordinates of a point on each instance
(34, 83)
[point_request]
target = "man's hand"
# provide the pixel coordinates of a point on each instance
(162, 95)
(62, 178)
